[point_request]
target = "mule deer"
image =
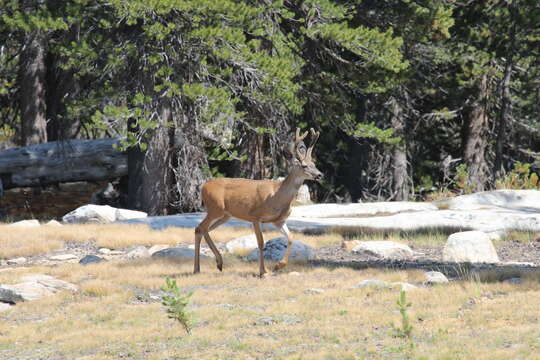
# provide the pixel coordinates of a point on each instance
(257, 201)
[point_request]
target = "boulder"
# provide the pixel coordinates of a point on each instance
(470, 246)
(522, 200)
(8, 295)
(100, 214)
(25, 223)
(155, 248)
(242, 245)
(383, 249)
(435, 277)
(90, 259)
(125, 214)
(180, 253)
(274, 250)
(35, 287)
(303, 196)
(137, 252)
(53, 223)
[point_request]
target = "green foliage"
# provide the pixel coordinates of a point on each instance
(176, 304)
(520, 177)
(405, 330)
(461, 180)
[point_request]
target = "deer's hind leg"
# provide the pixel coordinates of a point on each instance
(213, 247)
(202, 230)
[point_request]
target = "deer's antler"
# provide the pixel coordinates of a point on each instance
(295, 148)
(314, 138)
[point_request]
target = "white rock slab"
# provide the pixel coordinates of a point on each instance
(521, 200)
(470, 246)
(4, 307)
(100, 214)
(25, 223)
(155, 248)
(63, 257)
(383, 249)
(242, 245)
(37, 286)
(125, 214)
(362, 209)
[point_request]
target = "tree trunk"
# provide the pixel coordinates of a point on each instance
(400, 188)
(149, 170)
(474, 153)
(32, 88)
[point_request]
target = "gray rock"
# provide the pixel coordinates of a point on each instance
(36, 286)
(90, 259)
(314, 291)
(405, 286)
(138, 252)
(303, 196)
(16, 261)
(514, 281)
(274, 250)
(104, 251)
(383, 249)
(497, 235)
(155, 248)
(374, 283)
(242, 245)
(181, 253)
(435, 277)
(470, 246)
(8, 295)
(25, 223)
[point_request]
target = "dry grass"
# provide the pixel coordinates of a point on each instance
(240, 316)
(17, 241)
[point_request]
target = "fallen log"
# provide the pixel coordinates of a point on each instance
(61, 161)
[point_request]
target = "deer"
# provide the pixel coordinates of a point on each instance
(257, 201)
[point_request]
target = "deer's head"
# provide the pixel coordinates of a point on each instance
(301, 159)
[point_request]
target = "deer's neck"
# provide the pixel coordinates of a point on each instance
(289, 188)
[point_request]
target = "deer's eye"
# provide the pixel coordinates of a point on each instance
(304, 166)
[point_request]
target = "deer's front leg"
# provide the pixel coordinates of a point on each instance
(260, 243)
(285, 231)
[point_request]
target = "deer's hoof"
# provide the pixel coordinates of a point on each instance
(280, 265)
(220, 267)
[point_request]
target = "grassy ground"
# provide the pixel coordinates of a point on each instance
(239, 316)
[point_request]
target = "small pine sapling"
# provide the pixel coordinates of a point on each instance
(176, 304)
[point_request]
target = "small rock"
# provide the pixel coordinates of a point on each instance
(435, 277)
(242, 245)
(138, 252)
(116, 252)
(294, 273)
(125, 214)
(350, 244)
(53, 223)
(89, 259)
(470, 246)
(405, 286)
(513, 281)
(384, 249)
(518, 263)
(374, 283)
(16, 261)
(63, 257)
(265, 321)
(155, 248)
(25, 223)
(104, 251)
(8, 295)
(274, 250)
(4, 307)
(313, 291)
